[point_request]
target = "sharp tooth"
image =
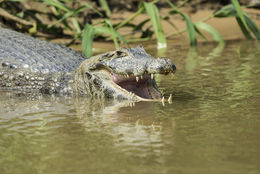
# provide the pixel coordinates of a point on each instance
(151, 76)
(137, 78)
(163, 101)
(172, 75)
(170, 99)
(127, 76)
(141, 77)
(132, 94)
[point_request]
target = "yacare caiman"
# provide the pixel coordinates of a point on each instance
(28, 64)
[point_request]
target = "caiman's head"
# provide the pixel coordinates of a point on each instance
(122, 74)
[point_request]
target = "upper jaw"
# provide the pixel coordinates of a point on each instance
(128, 66)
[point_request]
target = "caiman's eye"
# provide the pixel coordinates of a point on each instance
(120, 53)
(113, 55)
(95, 66)
(92, 67)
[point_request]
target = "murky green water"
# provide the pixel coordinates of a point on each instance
(212, 126)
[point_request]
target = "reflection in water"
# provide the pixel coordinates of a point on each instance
(132, 125)
(212, 126)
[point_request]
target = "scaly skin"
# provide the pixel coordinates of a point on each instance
(28, 64)
(94, 76)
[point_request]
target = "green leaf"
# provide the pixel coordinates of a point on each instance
(244, 29)
(58, 4)
(239, 12)
(87, 40)
(102, 30)
(172, 12)
(69, 14)
(226, 11)
(191, 31)
(153, 13)
(190, 28)
(13, 0)
(175, 9)
(198, 31)
(107, 28)
(212, 31)
(33, 29)
(252, 26)
(105, 6)
(126, 21)
(21, 14)
(113, 33)
(76, 24)
(120, 37)
(92, 8)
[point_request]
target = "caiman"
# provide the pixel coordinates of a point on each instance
(32, 65)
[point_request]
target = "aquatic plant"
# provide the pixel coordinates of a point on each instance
(86, 21)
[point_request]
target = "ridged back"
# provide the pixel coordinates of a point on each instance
(22, 50)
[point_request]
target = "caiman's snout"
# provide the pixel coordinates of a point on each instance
(161, 66)
(134, 61)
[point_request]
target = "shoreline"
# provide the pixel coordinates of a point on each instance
(227, 28)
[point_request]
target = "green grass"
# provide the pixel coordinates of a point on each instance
(74, 18)
(155, 19)
(87, 40)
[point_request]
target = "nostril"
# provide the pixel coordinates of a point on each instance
(173, 68)
(88, 75)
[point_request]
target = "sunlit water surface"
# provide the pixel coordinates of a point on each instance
(212, 126)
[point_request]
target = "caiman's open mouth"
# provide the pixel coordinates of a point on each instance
(142, 86)
(128, 74)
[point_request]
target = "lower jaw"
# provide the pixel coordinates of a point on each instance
(143, 93)
(143, 89)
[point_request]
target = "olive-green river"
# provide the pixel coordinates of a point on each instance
(211, 127)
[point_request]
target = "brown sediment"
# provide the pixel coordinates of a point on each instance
(198, 10)
(227, 27)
